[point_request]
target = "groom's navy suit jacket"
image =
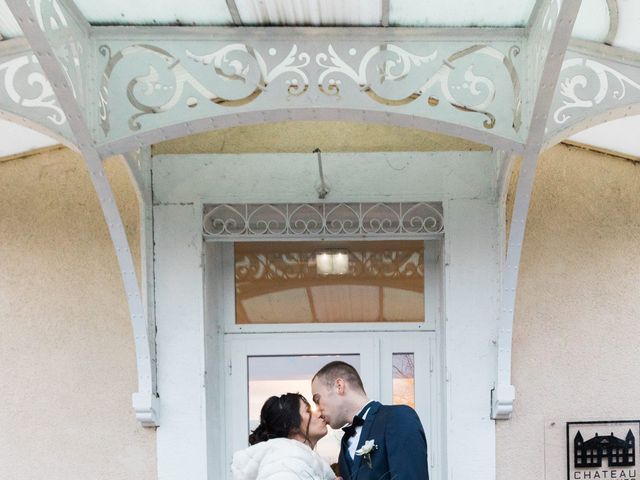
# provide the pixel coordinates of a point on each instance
(402, 446)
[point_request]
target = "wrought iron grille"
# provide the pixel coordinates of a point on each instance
(322, 220)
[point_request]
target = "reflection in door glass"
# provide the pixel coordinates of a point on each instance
(275, 375)
(329, 282)
(404, 392)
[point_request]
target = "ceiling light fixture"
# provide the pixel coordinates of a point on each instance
(332, 262)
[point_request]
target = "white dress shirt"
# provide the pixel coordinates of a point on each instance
(353, 441)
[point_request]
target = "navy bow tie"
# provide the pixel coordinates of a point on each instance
(350, 430)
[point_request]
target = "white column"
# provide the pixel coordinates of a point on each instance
(181, 438)
(472, 265)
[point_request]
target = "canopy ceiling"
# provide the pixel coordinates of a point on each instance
(611, 21)
(593, 23)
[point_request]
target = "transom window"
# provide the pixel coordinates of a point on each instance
(329, 282)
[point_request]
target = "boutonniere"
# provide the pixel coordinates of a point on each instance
(365, 451)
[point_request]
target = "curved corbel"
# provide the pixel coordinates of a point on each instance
(558, 20)
(139, 166)
(145, 401)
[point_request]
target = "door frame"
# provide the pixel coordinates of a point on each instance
(375, 350)
(433, 279)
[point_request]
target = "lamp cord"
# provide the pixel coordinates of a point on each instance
(323, 189)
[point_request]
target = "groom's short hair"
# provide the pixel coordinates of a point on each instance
(337, 369)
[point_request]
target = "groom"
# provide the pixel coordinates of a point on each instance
(380, 442)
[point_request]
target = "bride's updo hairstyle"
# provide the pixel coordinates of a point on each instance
(279, 418)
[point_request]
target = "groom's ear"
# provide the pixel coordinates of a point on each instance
(341, 386)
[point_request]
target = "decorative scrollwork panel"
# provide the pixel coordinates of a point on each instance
(154, 84)
(68, 40)
(589, 87)
(538, 46)
(306, 220)
(26, 92)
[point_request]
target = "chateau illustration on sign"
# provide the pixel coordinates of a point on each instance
(591, 455)
(618, 452)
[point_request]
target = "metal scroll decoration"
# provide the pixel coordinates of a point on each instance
(237, 74)
(310, 220)
(291, 265)
(394, 64)
(66, 41)
(237, 63)
(591, 84)
(26, 85)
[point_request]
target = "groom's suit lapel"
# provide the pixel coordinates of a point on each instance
(366, 428)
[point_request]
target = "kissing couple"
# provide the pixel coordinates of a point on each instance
(380, 442)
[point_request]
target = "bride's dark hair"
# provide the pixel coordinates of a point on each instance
(280, 418)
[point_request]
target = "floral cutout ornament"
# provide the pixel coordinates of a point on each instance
(365, 451)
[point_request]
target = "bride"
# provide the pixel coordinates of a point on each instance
(282, 446)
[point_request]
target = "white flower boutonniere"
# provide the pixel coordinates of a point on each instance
(365, 451)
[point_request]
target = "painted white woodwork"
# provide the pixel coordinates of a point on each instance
(550, 33)
(355, 220)
(375, 354)
(181, 437)
(428, 391)
(469, 86)
(139, 167)
(239, 348)
(216, 289)
(468, 335)
(290, 178)
(190, 315)
(571, 102)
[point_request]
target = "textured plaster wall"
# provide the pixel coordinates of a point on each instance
(576, 335)
(304, 137)
(67, 360)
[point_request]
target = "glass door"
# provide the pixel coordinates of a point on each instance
(395, 368)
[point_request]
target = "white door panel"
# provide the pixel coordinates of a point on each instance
(370, 352)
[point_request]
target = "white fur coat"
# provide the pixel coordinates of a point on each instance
(280, 459)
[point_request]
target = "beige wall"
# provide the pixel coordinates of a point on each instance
(300, 137)
(67, 362)
(576, 335)
(67, 365)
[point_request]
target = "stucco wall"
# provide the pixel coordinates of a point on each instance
(67, 362)
(304, 137)
(575, 352)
